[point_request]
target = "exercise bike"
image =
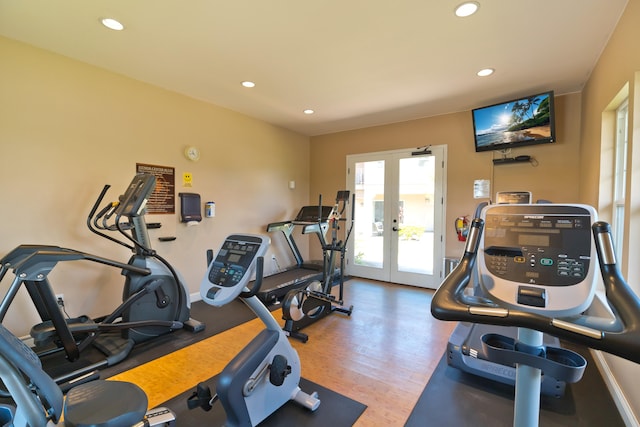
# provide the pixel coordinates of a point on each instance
(155, 300)
(536, 269)
(266, 373)
(302, 307)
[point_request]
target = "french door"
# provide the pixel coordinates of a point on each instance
(399, 214)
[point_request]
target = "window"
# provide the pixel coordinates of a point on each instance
(620, 176)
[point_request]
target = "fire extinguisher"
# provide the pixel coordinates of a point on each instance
(462, 228)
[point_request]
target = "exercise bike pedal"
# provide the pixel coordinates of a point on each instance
(201, 398)
(279, 370)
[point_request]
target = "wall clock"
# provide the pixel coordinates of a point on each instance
(192, 153)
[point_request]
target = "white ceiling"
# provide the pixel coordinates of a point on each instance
(357, 63)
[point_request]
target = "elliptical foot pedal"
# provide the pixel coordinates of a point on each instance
(44, 333)
(114, 347)
(193, 325)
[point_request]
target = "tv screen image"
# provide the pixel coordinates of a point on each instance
(525, 121)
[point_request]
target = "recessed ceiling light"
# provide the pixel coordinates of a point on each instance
(485, 72)
(112, 24)
(308, 111)
(467, 9)
(248, 84)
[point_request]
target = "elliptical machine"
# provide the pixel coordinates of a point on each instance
(155, 300)
(302, 307)
(536, 265)
(266, 373)
(38, 401)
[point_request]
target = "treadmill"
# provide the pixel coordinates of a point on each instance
(310, 220)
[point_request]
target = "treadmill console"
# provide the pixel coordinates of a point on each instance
(230, 271)
(539, 257)
(309, 215)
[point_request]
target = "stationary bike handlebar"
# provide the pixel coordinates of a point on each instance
(255, 288)
(450, 303)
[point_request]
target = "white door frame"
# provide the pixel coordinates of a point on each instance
(388, 271)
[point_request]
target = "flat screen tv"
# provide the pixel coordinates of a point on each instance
(524, 121)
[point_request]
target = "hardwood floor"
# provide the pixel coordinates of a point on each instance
(382, 355)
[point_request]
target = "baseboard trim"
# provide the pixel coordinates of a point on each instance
(626, 412)
(195, 297)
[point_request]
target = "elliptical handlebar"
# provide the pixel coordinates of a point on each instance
(41, 261)
(449, 302)
(352, 219)
(334, 217)
(97, 203)
(106, 212)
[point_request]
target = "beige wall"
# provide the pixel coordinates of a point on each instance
(67, 128)
(618, 66)
(554, 177)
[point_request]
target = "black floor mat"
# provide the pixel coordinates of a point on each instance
(456, 398)
(335, 410)
(216, 320)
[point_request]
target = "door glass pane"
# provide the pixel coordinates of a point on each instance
(369, 214)
(416, 214)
